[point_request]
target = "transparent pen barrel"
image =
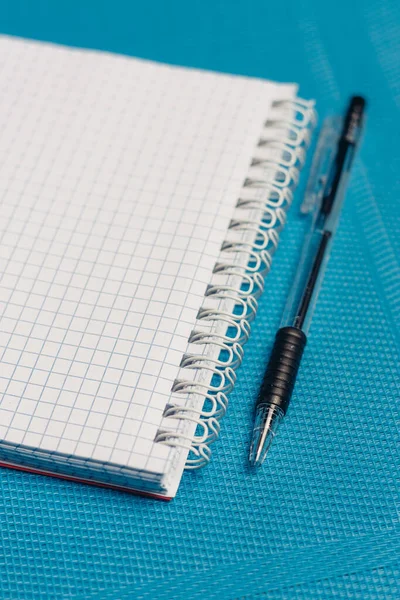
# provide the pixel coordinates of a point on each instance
(304, 293)
(314, 257)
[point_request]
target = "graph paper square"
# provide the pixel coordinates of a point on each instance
(118, 179)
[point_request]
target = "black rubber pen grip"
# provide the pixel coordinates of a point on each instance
(281, 373)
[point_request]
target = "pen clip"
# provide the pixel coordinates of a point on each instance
(321, 165)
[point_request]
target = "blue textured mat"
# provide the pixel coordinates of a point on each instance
(321, 520)
(313, 564)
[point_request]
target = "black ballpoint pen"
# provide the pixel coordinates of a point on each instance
(280, 376)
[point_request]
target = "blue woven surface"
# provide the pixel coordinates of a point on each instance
(321, 520)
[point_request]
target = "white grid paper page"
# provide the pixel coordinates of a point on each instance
(118, 179)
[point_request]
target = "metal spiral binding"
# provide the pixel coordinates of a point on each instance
(223, 323)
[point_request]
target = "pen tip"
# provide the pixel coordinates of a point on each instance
(266, 424)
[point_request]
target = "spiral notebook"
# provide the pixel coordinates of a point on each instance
(141, 205)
